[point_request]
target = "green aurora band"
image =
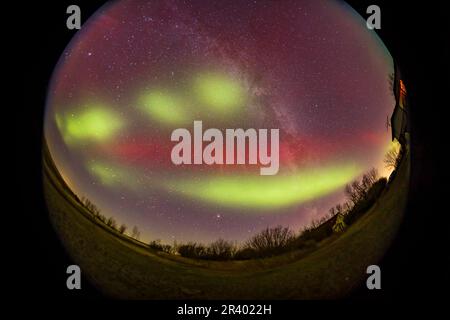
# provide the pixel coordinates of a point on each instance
(164, 107)
(94, 123)
(239, 191)
(208, 95)
(268, 192)
(218, 92)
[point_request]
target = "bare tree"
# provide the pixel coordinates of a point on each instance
(101, 217)
(351, 194)
(358, 190)
(157, 245)
(314, 223)
(192, 250)
(271, 239)
(392, 158)
(373, 175)
(111, 222)
(221, 249)
(323, 219)
(338, 208)
(90, 206)
(369, 178)
(332, 212)
(135, 233)
(347, 207)
(366, 183)
(122, 228)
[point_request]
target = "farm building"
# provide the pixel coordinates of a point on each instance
(399, 118)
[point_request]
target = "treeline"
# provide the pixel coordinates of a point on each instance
(393, 158)
(361, 195)
(269, 242)
(109, 221)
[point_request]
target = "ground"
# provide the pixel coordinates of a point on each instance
(125, 268)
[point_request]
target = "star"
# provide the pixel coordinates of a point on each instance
(138, 72)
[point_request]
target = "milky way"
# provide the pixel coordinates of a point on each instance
(138, 70)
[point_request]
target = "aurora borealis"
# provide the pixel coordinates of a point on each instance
(137, 70)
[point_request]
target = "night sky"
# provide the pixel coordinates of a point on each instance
(138, 70)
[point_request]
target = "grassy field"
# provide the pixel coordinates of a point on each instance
(125, 268)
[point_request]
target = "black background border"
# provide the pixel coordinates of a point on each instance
(415, 268)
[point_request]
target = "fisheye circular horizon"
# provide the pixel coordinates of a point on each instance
(139, 70)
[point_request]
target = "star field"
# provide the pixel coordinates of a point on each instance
(137, 70)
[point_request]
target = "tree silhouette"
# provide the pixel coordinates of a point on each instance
(111, 222)
(122, 228)
(271, 240)
(92, 208)
(221, 249)
(392, 158)
(135, 233)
